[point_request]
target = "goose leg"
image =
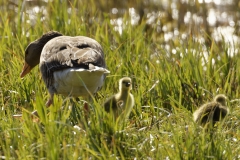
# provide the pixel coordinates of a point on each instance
(48, 104)
(86, 107)
(50, 100)
(86, 110)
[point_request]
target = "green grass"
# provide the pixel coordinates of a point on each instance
(167, 88)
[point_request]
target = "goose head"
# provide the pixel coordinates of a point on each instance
(33, 51)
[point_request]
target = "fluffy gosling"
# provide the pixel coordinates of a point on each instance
(121, 103)
(212, 112)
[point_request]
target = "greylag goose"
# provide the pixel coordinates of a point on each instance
(212, 112)
(70, 66)
(121, 104)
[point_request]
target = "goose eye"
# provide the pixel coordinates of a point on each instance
(26, 52)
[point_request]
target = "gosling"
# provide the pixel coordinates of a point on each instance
(121, 104)
(212, 112)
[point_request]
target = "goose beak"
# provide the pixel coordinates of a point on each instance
(26, 69)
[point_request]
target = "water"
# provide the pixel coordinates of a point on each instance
(168, 18)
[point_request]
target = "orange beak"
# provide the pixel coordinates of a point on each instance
(26, 69)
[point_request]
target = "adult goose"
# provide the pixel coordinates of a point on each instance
(121, 104)
(71, 66)
(212, 112)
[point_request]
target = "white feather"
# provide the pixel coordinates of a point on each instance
(79, 82)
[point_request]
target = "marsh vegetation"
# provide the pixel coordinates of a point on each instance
(179, 55)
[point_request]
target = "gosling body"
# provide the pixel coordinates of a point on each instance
(121, 104)
(212, 112)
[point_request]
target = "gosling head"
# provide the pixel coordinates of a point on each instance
(221, 98)
(125, 84)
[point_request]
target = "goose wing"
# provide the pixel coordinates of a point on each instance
(70, 52)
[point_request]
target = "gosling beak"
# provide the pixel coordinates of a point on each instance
(26, 69)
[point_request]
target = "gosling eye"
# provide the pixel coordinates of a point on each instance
(127, 84)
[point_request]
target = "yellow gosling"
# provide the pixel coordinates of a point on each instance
(121, 104)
